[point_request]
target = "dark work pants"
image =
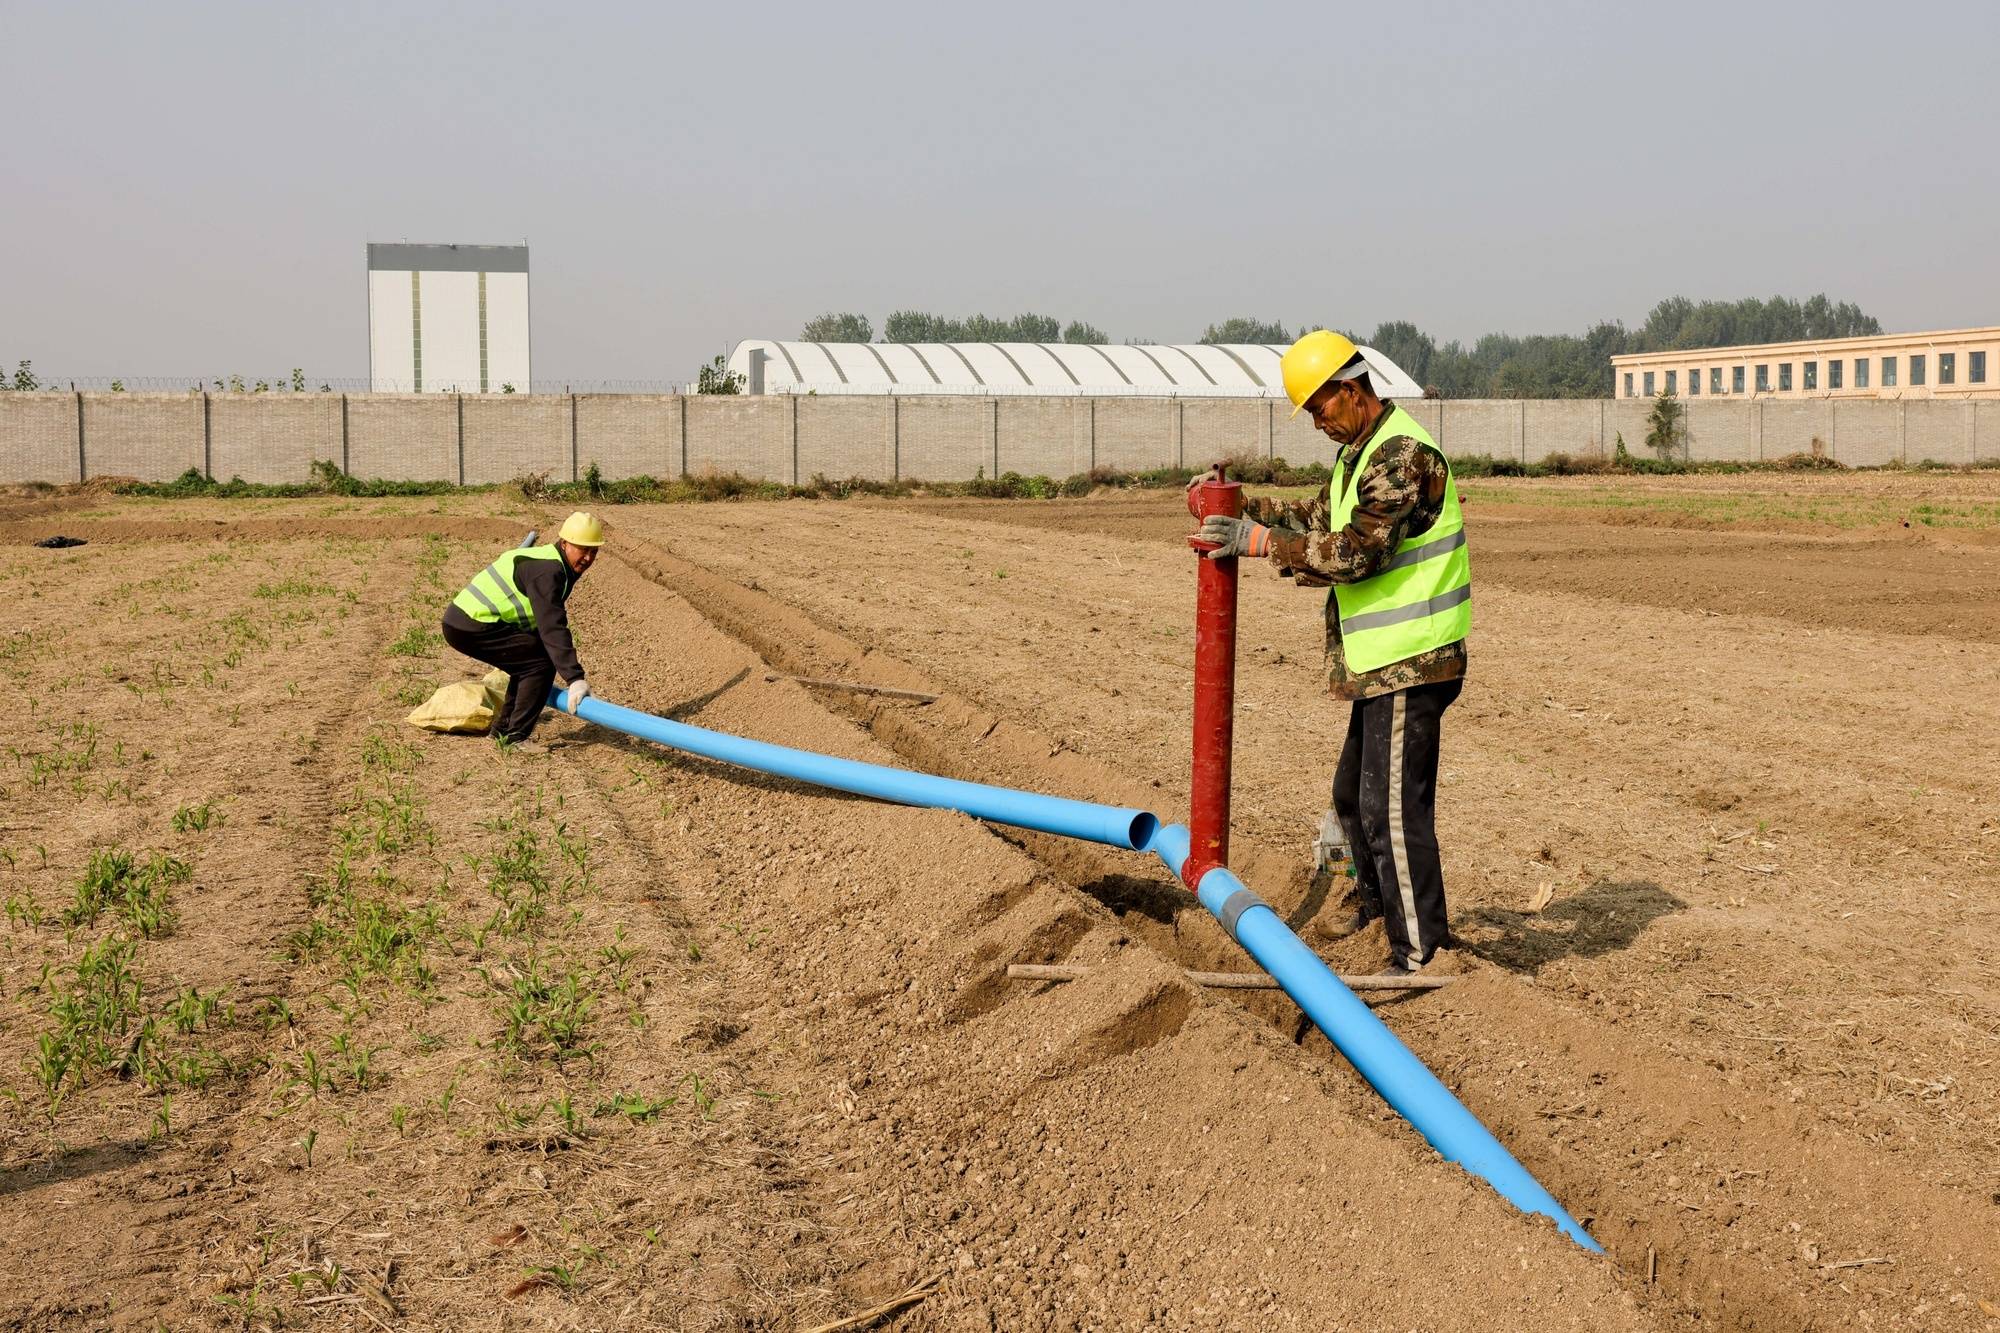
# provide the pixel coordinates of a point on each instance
(1385, 795)
(520, 654)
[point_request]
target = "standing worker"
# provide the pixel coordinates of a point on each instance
(511, 616)
(1389, 538)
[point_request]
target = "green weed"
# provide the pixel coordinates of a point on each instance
(418, 640)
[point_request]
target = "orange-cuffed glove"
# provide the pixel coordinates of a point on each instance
(1235, 536)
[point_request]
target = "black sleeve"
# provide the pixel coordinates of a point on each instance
(543, 581)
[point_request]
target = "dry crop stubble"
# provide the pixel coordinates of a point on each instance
(846, 960)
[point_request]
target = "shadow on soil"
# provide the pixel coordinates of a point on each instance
(1151, 899)
(681, 712)
(1604, 918)
(72, 1165)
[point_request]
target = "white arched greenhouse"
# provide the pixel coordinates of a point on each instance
(1151, 370)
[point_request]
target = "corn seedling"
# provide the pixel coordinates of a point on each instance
(277, 1010)
(23, 910)
(616, 957)
(197, 818)
(136, 892)
(356, 1061)
(537, 1010)
(192, 1008)
(94, 1011)
(702, 1093)
(636, 1107)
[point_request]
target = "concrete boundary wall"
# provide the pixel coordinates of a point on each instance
(503, 436)
(948, 439)
(757, 437)
(269, 439)
(476, 438)
(40, 437)
(842, 437)
(401, 437)
(626, 435)
(151, 436)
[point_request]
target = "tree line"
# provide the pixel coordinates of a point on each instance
(1497, 365)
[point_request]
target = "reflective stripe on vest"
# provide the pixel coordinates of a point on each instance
(493, 598)
(1422, 598)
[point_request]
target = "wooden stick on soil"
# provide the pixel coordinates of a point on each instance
(1226, 980)
(882, 690)
(925, 1288)
(1855, 1263)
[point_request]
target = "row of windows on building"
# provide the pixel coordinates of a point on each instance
(1947, 373)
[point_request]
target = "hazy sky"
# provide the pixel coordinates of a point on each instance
(187, 189)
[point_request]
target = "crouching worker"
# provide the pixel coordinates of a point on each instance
(511, 616)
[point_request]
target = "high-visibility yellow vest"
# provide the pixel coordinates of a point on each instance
(493, 598)
(1421, 599)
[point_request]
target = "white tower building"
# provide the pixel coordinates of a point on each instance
(447, 318)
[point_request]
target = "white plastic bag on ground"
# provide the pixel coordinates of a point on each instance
(464, 706)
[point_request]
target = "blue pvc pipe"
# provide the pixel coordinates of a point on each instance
(1374, 1051)
(1130, 829)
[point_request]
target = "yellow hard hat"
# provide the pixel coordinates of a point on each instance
(581, 529)
(1311, 361)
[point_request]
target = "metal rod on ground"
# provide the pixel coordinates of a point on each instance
(882, 690)
(1227, 980)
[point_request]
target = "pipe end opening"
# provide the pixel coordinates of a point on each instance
(1140, 836)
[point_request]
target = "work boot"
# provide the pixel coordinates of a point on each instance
(532, 749)
(1443, 962)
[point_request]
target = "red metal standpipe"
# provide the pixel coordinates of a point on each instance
(1214, 686)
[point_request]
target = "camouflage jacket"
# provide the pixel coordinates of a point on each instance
(1401, 493)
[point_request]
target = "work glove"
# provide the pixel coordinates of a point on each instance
(577, 690)
(1235, 536)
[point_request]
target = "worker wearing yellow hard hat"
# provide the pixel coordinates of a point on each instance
(1387, 538)
(511, 615)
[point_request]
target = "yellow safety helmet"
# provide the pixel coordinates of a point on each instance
(1311, 361)
(581, 529)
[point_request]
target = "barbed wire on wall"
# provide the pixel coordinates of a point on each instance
(345, 384)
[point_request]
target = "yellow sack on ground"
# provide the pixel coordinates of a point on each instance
(464, 706)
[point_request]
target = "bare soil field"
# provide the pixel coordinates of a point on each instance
(312, 1019)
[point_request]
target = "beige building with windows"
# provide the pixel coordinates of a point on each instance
(1951, 363)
